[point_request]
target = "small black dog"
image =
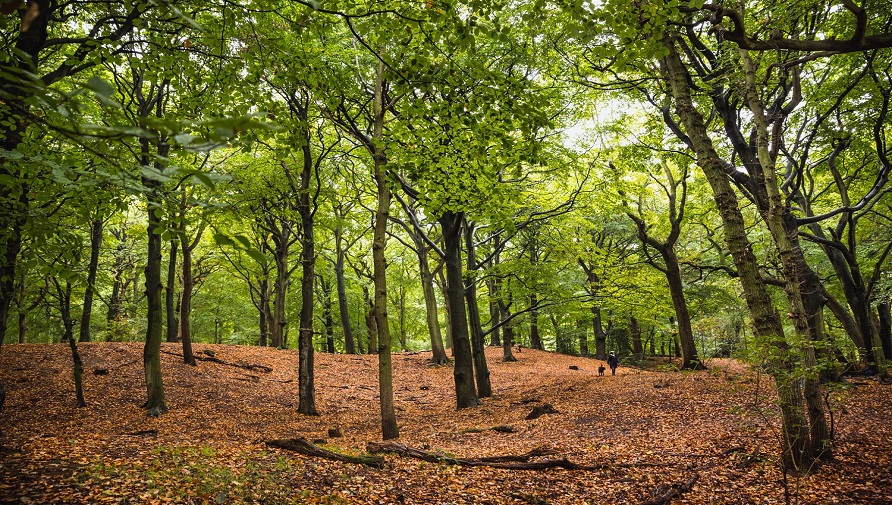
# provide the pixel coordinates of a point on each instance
(601, 370)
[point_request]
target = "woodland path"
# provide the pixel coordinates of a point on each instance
(656, 429)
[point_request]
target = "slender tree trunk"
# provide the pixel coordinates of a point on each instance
(446, 305)
(389, 428)
(430, 304)
(463, 373)
(370, 323)
(170, 292)
(343, 309)
(884, 316)
(87, 311)
(280, 290)
(600, 334)
(186, 303)
(495, 338)
(535, 339)
(507, 333)
(265, 315)
(637, 347)
(114, 301)
(155, 402)
(306, 372)
(583, 337)
(78, 368)
(689, 357)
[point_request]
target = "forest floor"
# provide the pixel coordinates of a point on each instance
(642, 434)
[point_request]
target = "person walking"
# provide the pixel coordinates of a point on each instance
(612, 362)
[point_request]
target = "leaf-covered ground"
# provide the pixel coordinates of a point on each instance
(653, 429)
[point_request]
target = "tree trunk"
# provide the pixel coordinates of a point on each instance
(155, 402)
(600, 334)
(87, 311)
(280, 290)
(343, 309)
(637, 346)
(389, 427)
(186, 303)
(583, 337)
(535, 340)
(78, 368)
(885, 326)
(690, 361)
(306, 375)
(170, 292)
(446, 305)
(371, 325)
(114, 301)
(264, 316)
(463, 373)
(507, 333)
(495, 338)
(65, 310)
(430, 304)
(327, 317)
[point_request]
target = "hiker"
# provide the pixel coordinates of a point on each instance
(613, 362)
(601, 369)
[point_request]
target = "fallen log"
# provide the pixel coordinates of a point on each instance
(674, 491)
(519, 462)
(307, 448)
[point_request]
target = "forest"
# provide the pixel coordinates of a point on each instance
(678, 182)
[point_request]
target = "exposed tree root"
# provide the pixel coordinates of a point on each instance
(305, 447)
(519, 462)
(214, 359)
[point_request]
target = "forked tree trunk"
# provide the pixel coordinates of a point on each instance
(463, 373)
(478, 344)
(797, 455)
